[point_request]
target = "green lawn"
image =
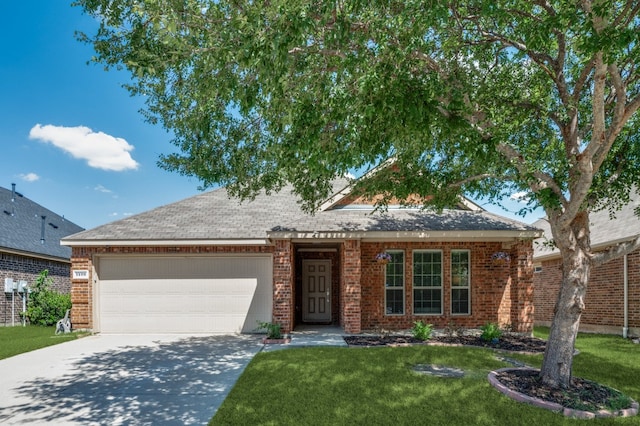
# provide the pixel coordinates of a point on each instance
(376, 386)
(17, 340)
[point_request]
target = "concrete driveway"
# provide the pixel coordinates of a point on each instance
(123, 379)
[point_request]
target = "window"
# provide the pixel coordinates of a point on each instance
(394, 284)
(427, 282)
(460, 283)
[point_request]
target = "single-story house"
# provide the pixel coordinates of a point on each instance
(30, 243)
(214, 265)
(613, 295)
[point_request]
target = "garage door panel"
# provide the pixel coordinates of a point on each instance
(184, 295)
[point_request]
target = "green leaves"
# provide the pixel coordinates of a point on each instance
(263, 93)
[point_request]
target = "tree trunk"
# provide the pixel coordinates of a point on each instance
(576, 270)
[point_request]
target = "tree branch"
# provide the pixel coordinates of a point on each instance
(544, 181)
(616, 251)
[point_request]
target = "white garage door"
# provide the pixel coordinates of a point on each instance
(183, 295)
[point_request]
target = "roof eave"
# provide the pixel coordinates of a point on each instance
(162, 243)
(35, 255)
(407, 235)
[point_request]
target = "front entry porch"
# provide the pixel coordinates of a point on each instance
(317, 284)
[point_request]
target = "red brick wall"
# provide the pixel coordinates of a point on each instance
(82, 258)
(604, 307)
(28, 269)
(283, 285)
(351, 298)
(500, 294)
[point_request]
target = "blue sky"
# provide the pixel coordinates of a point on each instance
(71, 138)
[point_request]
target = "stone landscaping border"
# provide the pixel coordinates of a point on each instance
(552, 406)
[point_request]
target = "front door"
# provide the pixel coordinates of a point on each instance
(316, 290)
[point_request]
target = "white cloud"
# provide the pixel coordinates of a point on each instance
(29, 177)
(100, 150)
(101, 188)
(521, 197)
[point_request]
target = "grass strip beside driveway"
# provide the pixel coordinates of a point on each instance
(17, 340)
(376, 386)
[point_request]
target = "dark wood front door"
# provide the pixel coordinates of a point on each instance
(316, 290)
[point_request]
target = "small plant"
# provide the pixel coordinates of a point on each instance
(490, 332)
(421, 331)
(273, 330)
(383, 258)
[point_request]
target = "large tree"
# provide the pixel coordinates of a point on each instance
(477, 97)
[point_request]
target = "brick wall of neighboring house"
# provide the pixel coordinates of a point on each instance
(499, 293)
(82, 259)
(604, 304)
(28, 269)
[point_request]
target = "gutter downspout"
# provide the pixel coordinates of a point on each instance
(625, 328)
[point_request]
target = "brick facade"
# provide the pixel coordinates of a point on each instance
(28, 268)
(604, 302)
(501, 294)
(351, 284)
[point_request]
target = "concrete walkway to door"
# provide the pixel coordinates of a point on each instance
(312, 335)
(123, 379)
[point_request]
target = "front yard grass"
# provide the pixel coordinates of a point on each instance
(17, 340)
(376, 386)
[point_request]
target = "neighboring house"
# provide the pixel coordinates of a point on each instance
(612, 304)
(30, 243)
(212, 264)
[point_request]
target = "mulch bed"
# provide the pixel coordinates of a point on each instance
(515, 343)
(582, 395)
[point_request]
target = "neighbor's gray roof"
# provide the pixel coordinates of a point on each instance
(215, 216)
(21, 227)
(604, 229)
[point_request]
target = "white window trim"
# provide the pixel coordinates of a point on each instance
(404, 285)
(468, 287)
(414, 287)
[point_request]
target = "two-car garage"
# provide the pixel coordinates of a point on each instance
(182, 294)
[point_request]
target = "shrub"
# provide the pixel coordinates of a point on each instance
(421, 330)
(490, 331)
(46, 306)
(273, 330)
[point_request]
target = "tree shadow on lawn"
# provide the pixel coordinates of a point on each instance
(180, 382)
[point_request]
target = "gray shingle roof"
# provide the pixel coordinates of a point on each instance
(403, 219)
(215, 216)
(604, 229)
(21, 227)
(211, 215)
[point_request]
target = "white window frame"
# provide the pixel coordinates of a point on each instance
(459, 287)
(420, 287)
(396, 288)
